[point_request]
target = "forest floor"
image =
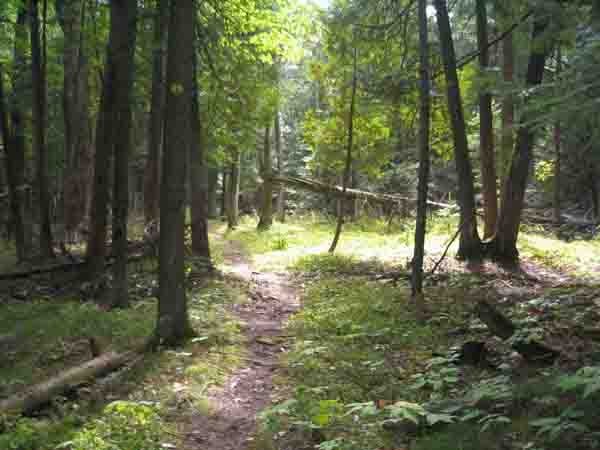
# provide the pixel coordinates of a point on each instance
(357, 367)
(234, 406)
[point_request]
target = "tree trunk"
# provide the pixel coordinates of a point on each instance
(12, 177)
(508, 107)
(38, 79)
(557, 150)
(17, 116)
(486, 130)
(96, 245)
(173, 324)
(266, 213)
(424, 124)
(225, 197)
(233, 191)
(470, 244)
(504, 245)
(157, 119)
(37, 395)
(124, 17)
(213, 183)
(78, 155)
(199, 179)
(348, 168)
(280, 206)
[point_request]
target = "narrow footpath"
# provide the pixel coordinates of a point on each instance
(272, 299)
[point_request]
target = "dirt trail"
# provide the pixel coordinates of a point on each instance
(235, 405)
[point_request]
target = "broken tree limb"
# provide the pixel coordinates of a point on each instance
(75, 264)
(502, 326)
(39, 394)
(338, 191)
(323, 188)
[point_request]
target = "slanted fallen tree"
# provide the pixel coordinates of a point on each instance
(32, 398)
(338, 191)
(323, 188)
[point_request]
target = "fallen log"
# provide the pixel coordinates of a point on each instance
(39, 394)
(66, 267)
(323, 188)
(501, 326)
(338, 191)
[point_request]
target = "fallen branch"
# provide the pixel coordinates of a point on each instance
(66, 267)
(501, 326)
(39, 394)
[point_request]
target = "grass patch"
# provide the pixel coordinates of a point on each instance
(152, 396)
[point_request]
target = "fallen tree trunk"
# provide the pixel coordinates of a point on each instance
(338, 191)
(39, 394)
(502, 326)
(73, 265)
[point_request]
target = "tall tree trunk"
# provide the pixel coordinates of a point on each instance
(504, 245)
(508, 107)
(157, 116)
(280, 207)
(486, 130)
(124, 17)
(424, 124)
(266, 214)
(225, 197)
(470, 244)
(96, 245)
(348, 167)
(17, 116)
(199, 179)
(78, 152)
(38, 79)
(12, 178)
(173, 324)
(213, 183)
(233, 192)
(557, 152)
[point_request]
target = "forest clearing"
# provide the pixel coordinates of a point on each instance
(294, 225)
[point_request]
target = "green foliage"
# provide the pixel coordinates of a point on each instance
(123, 426)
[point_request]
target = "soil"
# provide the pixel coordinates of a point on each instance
(234, 406)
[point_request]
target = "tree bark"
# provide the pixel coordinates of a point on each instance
(157, 119)
(348, 168)
(14, 183)
(17, 116)
(508, 107)
(470, 243)
(38, 79)
(266, 213)
(78, 151)
(173, 324)
(557, 153)
(96, 245)
(233, 191)
(504, 244)
(486, 130)
(39, 394)
(199, 179)
(213, 183)
(424, 125)
(280, 206)
(124, 18)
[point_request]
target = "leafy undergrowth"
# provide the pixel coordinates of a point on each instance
(139, 407)
(366, 374)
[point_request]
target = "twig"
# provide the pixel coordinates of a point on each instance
(439, 261)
